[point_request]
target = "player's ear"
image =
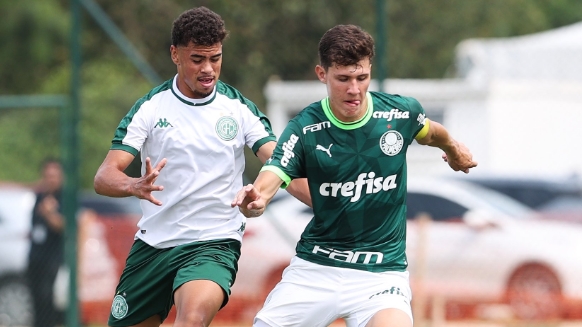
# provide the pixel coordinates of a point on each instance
(174, 53)
(321, 74)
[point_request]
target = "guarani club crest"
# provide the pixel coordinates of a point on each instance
(119, 307)
(226, 128)
(391, 143)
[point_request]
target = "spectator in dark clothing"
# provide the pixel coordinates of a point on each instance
(46, 251)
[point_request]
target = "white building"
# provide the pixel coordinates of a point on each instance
(517, 104)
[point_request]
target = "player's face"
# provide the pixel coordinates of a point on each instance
(198, 68)
(347, 87)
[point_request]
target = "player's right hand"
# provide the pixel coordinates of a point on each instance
(144, 186)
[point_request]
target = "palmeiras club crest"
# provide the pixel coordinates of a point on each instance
(391, 143)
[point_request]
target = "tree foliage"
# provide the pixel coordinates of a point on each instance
(267, 39)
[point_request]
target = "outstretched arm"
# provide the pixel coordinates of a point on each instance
(252, 199)
(298, 187)
(457, 155)
(111, 179)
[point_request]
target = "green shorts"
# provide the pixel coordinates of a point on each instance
(147, 284)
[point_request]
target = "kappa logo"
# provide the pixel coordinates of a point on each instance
(163, 123)
(326, 150)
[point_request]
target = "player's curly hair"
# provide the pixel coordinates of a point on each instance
(199, 25)
(345, 45)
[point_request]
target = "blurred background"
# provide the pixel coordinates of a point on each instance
(502, 245)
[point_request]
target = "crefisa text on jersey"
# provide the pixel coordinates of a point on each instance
(373, 185)
(287, 148)
(392, 114)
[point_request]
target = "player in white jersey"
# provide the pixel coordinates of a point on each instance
(191, 132)
(351, 146)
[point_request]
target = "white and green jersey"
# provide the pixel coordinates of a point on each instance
(357, 180)
(203, 141)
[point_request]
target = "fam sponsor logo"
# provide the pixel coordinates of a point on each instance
(350, 256)
(392, 114)
(353, 190)
(316, 127)
(287, 148)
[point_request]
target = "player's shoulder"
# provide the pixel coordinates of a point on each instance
(230, 93)
(310, 114)
(395, 101)
(152, 97)
(227, 90)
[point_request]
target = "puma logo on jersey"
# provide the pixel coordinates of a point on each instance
(326, 150)
(354, 190)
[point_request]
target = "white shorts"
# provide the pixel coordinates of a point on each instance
(313, 295)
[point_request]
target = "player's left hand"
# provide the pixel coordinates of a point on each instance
(461, 159)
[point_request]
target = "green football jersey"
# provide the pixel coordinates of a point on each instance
(357, 178)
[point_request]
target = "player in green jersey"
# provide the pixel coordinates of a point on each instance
(351, 146)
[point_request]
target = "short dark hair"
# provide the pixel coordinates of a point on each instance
(200, 26)
(345, 45)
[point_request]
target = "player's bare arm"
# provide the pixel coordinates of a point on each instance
(456, 154)
(298, 187)
(252, 199)
(111, 180)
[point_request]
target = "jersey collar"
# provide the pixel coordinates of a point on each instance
(190, 101)
(348, 125)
